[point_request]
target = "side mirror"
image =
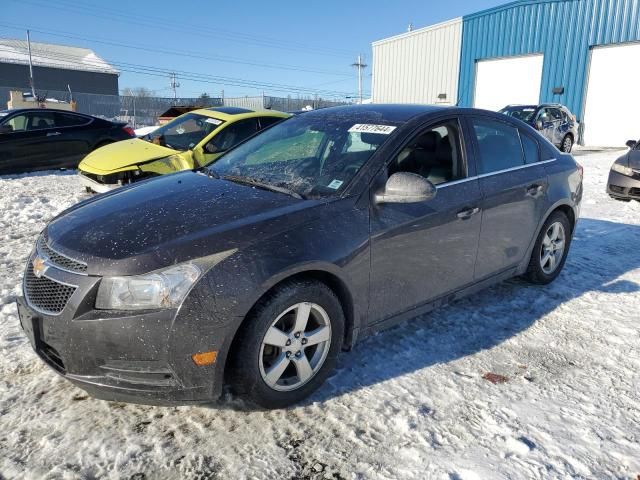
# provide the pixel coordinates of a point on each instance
(405, 187)
(539, 125)
(631, 143)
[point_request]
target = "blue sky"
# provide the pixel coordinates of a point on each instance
(269, 46)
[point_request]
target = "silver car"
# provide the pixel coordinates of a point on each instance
(624, 178)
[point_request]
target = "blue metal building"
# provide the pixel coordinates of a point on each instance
(584, 54)
(564, 31)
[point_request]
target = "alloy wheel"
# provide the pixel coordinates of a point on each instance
(553, 245)
(568, 143)
(295, 346)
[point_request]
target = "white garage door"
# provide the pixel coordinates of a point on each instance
(508, 81)
(613, 101)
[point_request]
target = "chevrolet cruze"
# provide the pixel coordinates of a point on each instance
(257, 270)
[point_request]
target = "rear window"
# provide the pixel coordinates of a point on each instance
(498, 144)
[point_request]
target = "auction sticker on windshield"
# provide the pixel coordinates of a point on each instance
(213, 121)
(369, 128)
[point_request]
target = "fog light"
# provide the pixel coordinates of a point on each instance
(205, 358)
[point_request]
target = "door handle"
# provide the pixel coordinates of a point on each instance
(53, 134)
(468, 213)
(534, 190)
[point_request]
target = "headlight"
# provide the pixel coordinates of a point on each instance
(622, 169)
(163, 289)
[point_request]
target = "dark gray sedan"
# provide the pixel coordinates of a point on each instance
(258, 270)
(624, 178)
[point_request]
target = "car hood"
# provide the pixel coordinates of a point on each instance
(120, 155)
(171, 219)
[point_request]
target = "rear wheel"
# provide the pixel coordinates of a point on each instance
(550, 250)
(567, 144)
(289, 345)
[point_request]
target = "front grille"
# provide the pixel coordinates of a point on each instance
(58, 259)
(635, 192)
(45, 294)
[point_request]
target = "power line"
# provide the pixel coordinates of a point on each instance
(219, 58)
(186, 29)
(185, 75)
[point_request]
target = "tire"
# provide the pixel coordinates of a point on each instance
(539, 271)
(567, 144)
(256, 363)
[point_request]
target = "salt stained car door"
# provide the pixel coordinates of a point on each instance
(421, 251)
(514, 183)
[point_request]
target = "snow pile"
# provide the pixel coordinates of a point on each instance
(518, 381)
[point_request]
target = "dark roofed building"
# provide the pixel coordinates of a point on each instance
(56, 68)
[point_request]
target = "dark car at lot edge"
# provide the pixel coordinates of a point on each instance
(258, 269)
(43, 139)
(554, 121)
(624, 177)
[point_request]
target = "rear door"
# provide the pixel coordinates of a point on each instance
(73, 137)
(513, 184)
(421, 251)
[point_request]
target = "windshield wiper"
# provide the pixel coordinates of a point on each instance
(210, 172)
(264, 186)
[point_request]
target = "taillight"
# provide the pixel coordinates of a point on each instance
(129, 131)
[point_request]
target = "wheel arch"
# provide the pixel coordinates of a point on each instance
(560, 206)
(323, 275)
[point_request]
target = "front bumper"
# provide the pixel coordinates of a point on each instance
(126, 359)
(95, 186)
(132, 356)
(622, 187)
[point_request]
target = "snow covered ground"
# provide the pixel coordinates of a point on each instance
(409, 403)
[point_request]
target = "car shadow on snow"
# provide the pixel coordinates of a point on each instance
(600, 254)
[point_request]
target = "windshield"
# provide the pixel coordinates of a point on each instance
(185, 132)
(312, 155)
(525, 114)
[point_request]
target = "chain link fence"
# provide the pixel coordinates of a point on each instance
(144, 111)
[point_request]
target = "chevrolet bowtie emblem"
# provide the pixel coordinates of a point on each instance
(39, 266)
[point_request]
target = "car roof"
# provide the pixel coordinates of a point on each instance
(396, 113)
(232, 114)
(36, 109)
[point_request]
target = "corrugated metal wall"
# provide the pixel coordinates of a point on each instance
(563, 30)
(418, 66)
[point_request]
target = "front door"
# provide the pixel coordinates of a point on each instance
(514, 187)
(421, 251)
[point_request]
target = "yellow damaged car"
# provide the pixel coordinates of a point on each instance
(189, 141)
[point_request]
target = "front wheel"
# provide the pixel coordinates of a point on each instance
(550, 250)
(289, 345)
(567, 144)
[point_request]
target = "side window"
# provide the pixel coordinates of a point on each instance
(234, 134)
(555, 114)
(70, 120)
(530, 147)
(268, 121)
(435, 154)
(498, 144)
(17, 123)
(544, 115)
(40, 120)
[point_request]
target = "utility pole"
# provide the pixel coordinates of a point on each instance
(174, 85)
(359, 65)
(33, 86)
